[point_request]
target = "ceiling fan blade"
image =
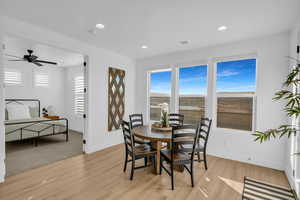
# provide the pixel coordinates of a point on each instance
(38, 64)
(16, 60)
(13, 56)
(47, 62)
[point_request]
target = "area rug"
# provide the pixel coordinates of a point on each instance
(257, 190)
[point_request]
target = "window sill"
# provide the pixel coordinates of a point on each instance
(235, 131)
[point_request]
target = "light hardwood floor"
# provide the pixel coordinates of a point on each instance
(100, 176)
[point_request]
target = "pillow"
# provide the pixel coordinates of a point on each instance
(16, 112)
(34, 112)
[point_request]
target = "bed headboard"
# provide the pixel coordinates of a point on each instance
(34, 103)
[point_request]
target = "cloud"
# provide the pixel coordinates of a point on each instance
(191, 79)
(241, 88)
(226, 73)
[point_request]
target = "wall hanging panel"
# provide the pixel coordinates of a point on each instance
(116, 98)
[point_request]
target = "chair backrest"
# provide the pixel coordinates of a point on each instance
(205, 125)
(128, 137)
(176, 119)
(184, 139)
(136, 120)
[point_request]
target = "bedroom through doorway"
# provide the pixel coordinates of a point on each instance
(45, 103)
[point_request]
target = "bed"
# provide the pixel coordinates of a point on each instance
(30, 125)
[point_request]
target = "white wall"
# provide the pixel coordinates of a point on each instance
(272, 66)
(97, 136)
(2, 130)
(52, 95)
(75, 122)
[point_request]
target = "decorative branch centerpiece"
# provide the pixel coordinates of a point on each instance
(163, 125)
(164, 109)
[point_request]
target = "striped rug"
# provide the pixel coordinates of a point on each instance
(257, 190)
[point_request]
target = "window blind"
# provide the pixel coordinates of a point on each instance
(12, 77)
(79, 95)
(41, 79)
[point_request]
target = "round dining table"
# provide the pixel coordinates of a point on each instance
(156, 137)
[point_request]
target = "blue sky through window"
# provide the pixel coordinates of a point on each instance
(161, 82)
(232, 76)
(236, 76)
(193, 80)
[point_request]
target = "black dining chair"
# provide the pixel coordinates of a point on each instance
(178, 155)
(201, 145)
(136, 152)
(203, 139)
(176, 119)
(136, 120)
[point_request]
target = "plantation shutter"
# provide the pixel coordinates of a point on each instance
(41, 79)
(12, 77)
(79, 95)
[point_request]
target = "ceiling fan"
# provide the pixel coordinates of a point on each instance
(31, 58)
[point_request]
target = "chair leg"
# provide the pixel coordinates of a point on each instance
(172, 176)
(125, 164)
(198, 155)
(132, 168)
(160, 166)
(192, 174)
(145, 161)
(205, 162)
(153, 162)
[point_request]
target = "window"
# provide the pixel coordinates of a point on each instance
(41, 79)
(79, 95)
(160, 92)
(192, 92)
(12, 77)
(235, 89)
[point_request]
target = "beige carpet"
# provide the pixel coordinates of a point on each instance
(23, 155)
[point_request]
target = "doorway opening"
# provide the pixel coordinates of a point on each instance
(45, 103)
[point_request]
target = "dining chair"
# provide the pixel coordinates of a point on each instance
(176, 119)
(178, 155)
(136, 152)
(205, 125)
(136, 120)
(203, 139)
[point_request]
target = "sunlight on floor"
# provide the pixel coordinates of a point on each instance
(203, 192)
(235, 185)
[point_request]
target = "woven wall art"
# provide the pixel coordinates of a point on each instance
(116, 98)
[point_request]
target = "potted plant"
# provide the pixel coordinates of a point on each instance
(164, 115)
(291, 94)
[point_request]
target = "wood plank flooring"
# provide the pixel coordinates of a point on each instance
(100, 176)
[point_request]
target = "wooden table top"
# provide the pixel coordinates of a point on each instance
(147, 133)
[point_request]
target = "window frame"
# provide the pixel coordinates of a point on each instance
(187, 65)
(167, 69)
(216, 95)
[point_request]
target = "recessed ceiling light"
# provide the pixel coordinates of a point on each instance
(183, 42)
(99, 26)
(222, 28)
(144, 47)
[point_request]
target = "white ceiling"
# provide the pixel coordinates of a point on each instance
(18, 47)
(159, 24)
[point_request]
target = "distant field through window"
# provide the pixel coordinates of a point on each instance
(160, 92)
(192, 92)
(235, 94)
